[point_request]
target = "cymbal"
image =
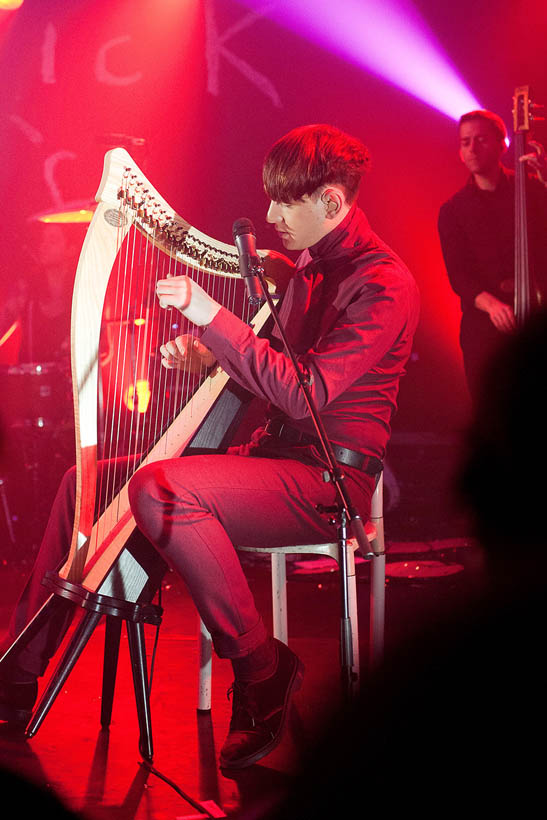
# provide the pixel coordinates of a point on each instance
(71, 213)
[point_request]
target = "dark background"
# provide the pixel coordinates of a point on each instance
(76, 74)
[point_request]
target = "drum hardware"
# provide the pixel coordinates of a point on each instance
(36, 407)
(74, 212)
(35, 463)
(35, 395)
(6, 510)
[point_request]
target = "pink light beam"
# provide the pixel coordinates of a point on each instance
(387, 37)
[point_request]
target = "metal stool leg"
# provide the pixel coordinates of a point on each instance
(377, 581)
(377, 609)
(353, 616)
(279, 597)
(205, 661)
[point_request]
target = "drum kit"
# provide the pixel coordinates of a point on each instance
(36, 434)
(37, 446)
(36, 413)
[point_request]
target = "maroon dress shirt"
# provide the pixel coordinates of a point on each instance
(350, 312)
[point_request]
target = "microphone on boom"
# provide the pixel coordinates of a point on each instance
(245, 240)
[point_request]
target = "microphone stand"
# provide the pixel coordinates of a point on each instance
(347, 515)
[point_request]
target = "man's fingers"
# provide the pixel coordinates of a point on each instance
(200, 348)
(505, 320)
(181, 344)
(538, 147)
(186, 353)
(170, 348)
(175, 291)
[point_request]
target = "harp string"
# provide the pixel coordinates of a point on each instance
(120, 424)
(117, 329)
(137, 418)
(135, 328)
(134, 231)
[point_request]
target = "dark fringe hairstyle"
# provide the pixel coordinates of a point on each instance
(311, 156)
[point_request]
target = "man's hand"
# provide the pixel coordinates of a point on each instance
(183, 293)
(537, 160)
(186, 353)
(501, 315)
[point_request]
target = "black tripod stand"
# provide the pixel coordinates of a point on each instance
(137, 575)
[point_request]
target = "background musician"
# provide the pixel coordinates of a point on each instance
(36, 410)
(477, 233)
(350, 310)
(40, 298)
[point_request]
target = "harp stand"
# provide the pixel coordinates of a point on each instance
(346, 515)
(135, 616)
(143, 562)
(67, 596)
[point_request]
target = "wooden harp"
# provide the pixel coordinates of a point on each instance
(149, 413)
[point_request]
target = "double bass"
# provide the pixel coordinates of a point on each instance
(527, 294)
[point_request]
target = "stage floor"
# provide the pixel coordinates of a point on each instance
(98, 774)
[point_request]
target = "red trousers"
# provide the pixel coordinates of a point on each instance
(194, 509)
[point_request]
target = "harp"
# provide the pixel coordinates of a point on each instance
(145, 412)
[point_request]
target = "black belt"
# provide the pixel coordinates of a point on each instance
(352, 458)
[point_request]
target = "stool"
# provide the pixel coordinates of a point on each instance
(374, 529)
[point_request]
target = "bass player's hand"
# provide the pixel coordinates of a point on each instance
(501, 315)
(537, 160)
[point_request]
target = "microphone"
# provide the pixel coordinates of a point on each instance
(244, 237)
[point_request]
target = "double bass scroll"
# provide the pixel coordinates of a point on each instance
(135, 238)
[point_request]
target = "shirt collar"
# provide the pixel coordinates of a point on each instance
(503, 181)
(354, 231)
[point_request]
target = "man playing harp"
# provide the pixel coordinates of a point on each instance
(350, 310)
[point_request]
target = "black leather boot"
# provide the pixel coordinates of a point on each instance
(259, 711)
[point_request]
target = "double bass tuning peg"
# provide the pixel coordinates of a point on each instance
(533, 116)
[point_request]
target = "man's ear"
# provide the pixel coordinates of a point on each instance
(333, 201)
